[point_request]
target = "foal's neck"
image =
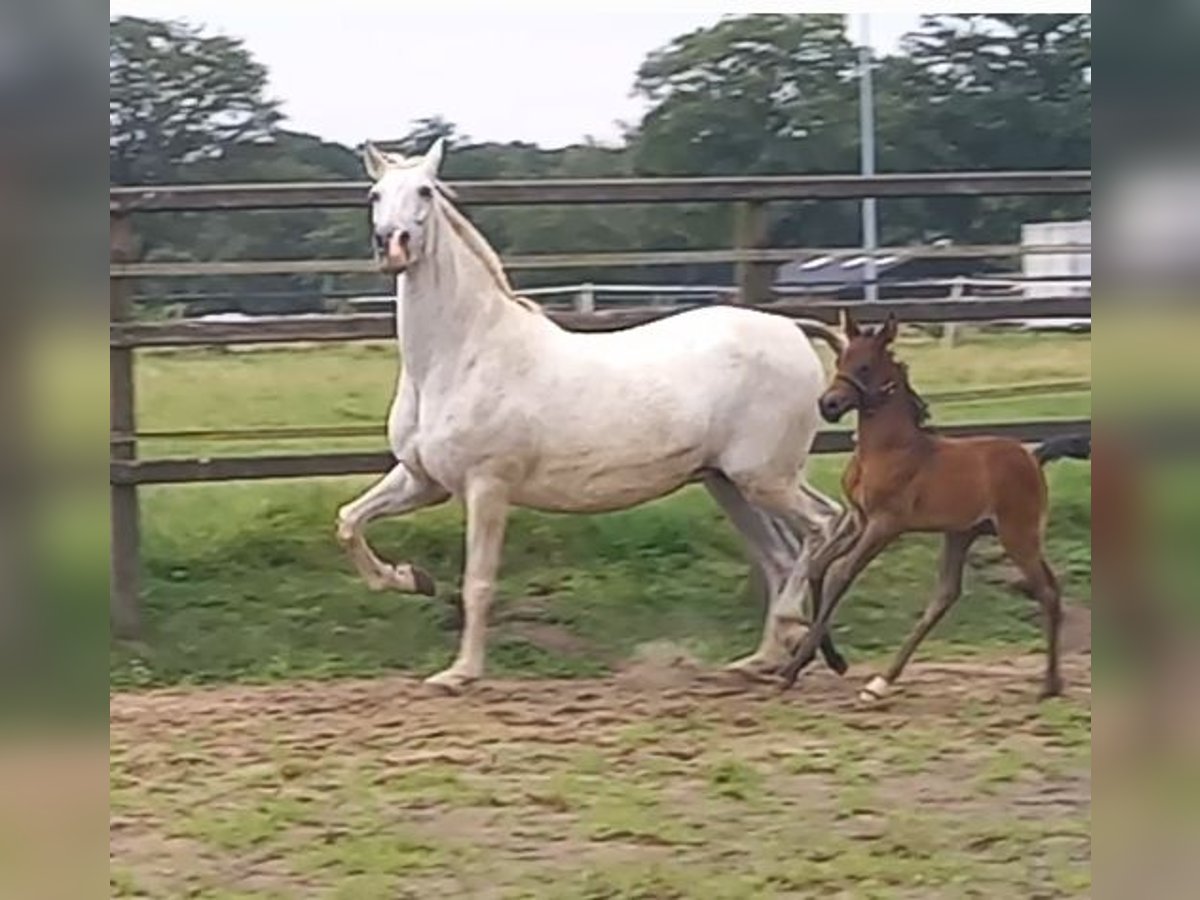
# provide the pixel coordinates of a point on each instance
(891, 425)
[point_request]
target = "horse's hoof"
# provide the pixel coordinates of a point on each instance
(423, 582)
(758, 672)
(877, 689)
(449, 681)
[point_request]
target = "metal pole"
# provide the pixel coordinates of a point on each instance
(866, 121)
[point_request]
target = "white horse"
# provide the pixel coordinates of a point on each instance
(500, 407)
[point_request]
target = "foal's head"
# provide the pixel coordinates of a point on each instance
(867, 374)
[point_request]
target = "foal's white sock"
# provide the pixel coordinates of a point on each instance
(877, 688)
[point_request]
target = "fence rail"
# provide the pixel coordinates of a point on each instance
(376, 430)
(609, 259)
(190, 470)
(749, 254)
(197, 197)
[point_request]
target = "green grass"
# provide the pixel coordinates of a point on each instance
(245, 582)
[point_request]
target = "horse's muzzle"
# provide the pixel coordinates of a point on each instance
(391, 252)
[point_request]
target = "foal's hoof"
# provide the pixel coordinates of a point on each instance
(790, 674)
(875, 690)
(837, 662)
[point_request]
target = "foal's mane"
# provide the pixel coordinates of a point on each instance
(917, 405)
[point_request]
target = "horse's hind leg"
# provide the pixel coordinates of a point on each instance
(397, 493)
(810, 517)
(773, 550)
(948, 590)
(1022, 541)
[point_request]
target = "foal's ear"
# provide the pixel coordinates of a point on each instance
(849, 326)
(887, 331)
(375, 161)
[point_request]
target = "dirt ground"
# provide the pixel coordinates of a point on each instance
(664, 781)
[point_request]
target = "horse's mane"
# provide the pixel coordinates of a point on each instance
(916, 403)
(480, 248)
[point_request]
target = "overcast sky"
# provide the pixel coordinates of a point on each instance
(349, 70)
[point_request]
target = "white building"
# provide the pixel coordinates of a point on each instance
(1068, 274)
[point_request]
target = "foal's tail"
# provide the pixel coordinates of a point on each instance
(827, 333)
(1075, 446)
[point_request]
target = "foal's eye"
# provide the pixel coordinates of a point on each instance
(425, 192)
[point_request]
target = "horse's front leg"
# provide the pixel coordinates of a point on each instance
(397, 493)
(487, 515)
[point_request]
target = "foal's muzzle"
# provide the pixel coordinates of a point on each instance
(832, 408)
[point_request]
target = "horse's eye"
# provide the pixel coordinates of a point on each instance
(863, 370)
(373, 197)
(425, 192)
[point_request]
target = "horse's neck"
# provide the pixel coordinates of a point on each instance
(447, 304)
(890, 426)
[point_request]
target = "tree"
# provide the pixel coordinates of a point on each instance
(423, 133)
(1003, 92)
(752, 94)
(178, 97)
(757, 94)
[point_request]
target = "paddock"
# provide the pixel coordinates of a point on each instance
(269, 737)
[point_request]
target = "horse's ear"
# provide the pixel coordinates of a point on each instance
(887, 332)
(433, 156)
(849, 326)
(375, 161)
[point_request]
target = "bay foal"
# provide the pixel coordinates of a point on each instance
(904, 478)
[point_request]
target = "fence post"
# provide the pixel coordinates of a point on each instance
(124, 606)
(950, 329)
(750, 233)
(585, 300)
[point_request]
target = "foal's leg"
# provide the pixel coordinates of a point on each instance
(845, 534)
(487, 514)
(1022, 542)
(397, 493)
(773, 549)
(841, 573)
(949, 587)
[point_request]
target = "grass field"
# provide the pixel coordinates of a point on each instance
(244, 581)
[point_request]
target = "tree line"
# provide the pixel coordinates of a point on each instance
(751, 95)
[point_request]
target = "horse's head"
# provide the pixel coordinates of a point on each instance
(402, 198)
(866, 372)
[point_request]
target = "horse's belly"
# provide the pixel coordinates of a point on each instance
(581, 484)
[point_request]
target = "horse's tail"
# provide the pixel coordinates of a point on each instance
(827, 333)
(1074, 446)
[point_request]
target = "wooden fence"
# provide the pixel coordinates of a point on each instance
(752, 259)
